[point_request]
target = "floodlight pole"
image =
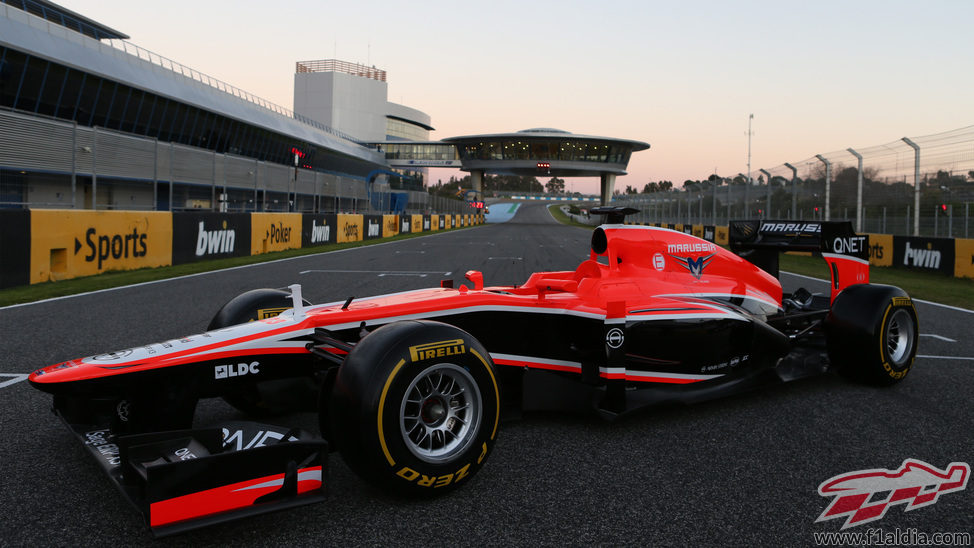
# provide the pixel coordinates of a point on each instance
(794, 190)
(767, 181)
(713, 206)
(828, 183)
(916, 186)
(858, 191)
(746, 189)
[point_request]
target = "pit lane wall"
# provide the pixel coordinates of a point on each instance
(40, 245)
(948, 256)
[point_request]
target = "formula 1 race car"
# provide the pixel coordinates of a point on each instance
(410, 387)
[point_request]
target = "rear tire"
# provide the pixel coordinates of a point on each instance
(415, 407)
(872, 333)
(273, 397)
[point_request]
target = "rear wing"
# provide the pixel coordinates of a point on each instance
(846, 252)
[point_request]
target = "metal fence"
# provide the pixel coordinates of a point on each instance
(921, 186)
(51, 163)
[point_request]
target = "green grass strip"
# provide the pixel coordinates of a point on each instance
(928, 286)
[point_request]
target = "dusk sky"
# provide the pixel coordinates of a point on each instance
(683, 76)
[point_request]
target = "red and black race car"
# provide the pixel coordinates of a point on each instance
(410, 387)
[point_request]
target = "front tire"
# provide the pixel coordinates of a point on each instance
(872, 332)
(273, 397)
(415, 407)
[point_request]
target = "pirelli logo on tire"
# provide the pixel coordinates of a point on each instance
(902, 301)
(265, 313)
(440, 349)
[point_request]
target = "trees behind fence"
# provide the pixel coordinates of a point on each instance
(880, 189)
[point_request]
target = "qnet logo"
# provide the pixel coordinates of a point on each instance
(864, 496)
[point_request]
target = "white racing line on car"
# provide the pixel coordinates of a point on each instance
(16, 377)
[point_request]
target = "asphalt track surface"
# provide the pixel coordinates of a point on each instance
(738, 471)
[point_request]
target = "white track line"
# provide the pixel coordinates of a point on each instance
(16, 378)
(379, 272)
(942, 338)
(945, 357)
(957, 308)
(222, 270)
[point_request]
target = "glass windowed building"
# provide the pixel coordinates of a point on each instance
(89, 120)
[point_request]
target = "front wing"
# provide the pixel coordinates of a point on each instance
(186, 479)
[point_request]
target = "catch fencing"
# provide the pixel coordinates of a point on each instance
(917, 186)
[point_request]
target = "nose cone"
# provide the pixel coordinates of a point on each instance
(55, 374)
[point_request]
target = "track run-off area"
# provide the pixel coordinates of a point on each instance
(738, 471)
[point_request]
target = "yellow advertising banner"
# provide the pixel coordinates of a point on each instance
(721, 237)
(68, 243)
(881, 249)
(434, 223)
(964, 258)
(417, 224)
(698, 231)
(350, 227)
(390, 225)
(274, 232)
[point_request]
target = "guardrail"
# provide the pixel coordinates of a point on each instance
(44, 245)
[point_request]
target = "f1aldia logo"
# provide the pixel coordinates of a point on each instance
(865, 495)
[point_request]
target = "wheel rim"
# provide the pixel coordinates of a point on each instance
(440, 412)
(899, 337)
